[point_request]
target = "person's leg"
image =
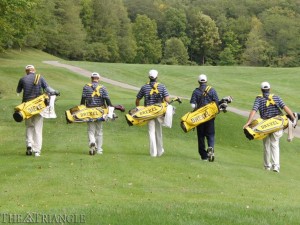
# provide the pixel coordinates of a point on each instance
(99, 136)
(275, 152)
(267, 150)
(152, 138)
(159, 138)
(210, 133)
(37, 134)
(91, 129)
(201, 143)
(29, 132)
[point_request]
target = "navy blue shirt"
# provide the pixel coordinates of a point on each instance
(266, 112)
(154, 98)
(201, 100)
(95, 101)
(30, 90)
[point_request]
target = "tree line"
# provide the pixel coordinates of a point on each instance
(184, 32)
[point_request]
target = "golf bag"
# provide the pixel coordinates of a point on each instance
(140, 115)
(81, 113)
(192, 119)
(260, 128)
(43, 104)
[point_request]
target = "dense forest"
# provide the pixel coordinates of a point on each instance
(185, 32)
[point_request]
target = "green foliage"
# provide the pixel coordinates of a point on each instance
(257, 52)
(207, 28)
(149, 50)
(204, 37)
(175, 52)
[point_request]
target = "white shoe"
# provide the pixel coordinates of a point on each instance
(37, 154)
(276, 169)
(99, 152)
(160, 154)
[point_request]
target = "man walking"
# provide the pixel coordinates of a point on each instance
(269, 106)
(95, 95)
(153, 93)
(32, 85)
(202, 96)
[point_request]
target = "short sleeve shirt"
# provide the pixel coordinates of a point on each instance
(201, 100)
(94, 101)
(266, 112)
(154, 98)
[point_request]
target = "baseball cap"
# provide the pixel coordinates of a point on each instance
(265, 85)
(95, 75)
(153, 74)
(29, 67)
(202, 78)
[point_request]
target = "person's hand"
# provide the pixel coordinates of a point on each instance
(246, 125)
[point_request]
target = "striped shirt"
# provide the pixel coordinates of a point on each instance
(31, 91)
(267, 112)
(154, 98)
(201, 100)
(95, 101)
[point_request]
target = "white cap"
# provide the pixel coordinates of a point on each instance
(202, 78)
(95, 75)
(265, 85)
(153, 74)
(29, 67)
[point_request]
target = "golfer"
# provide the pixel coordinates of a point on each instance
(269, 106)
(153, 93)
(32, 85)
(95, 95)
(202, 96)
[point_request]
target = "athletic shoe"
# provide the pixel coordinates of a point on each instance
(267, 168)
(160, 154)
(28, 151)
(92, 149)
(99, 152)
(210, 154)
(37, 154)
(276, 169)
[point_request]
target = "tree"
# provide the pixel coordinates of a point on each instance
(149, 48)
(282, 28)
(204, 37)
(175, 25)
(175, 52)
(16, 21)
(257, 52)
(231, 49)
(108, 25)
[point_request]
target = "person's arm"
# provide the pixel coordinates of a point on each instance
(289, 112)
(108, 102)
(19, 87)
(250, 118)
(137, 102)
(167, 99)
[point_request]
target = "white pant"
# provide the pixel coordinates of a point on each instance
(271, 149)
(34, 132)
(95, 134)
(155, 138)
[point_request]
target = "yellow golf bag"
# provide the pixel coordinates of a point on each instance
(261, 128)
(30, 108)
(192, 119)
(81, 113)
(140, 115)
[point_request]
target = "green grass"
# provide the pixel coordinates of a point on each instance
(126, 185)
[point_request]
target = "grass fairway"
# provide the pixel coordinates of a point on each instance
(125, 186)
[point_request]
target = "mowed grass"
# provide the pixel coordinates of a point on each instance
(125, 185)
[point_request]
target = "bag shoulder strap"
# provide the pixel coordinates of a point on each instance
(36, 79)
(154, 89)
